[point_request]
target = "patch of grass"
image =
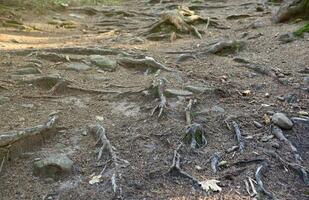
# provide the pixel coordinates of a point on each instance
(300, 32)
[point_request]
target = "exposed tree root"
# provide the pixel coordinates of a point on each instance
(292, 9)
(10, 137)
(176, 170)
(195, 133)
(258, 177)
(214, 162)
(100, 133)
(238, 136)
(182, 20)
(71, 50)
(303, 172)
(160, 85)
(146, 62)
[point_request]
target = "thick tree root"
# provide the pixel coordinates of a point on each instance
(70, 50)
(176, 170)
(163, 102)
(182, 20)
(100, 133)
(292, 9)
(146, 62)
(10, 137)
(298, 160)
(258, 177)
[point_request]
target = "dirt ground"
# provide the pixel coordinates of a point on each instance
(119, 101)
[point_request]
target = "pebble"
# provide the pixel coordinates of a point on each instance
(282, 121)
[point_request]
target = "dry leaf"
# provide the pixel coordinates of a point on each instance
(95, 179)
(246, 93)
(210, 185)
(266, 119)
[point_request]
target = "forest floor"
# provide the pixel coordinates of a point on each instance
(47, 66)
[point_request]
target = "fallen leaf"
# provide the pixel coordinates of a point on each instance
(266, 119)
(95, 179)
(246, 93)
(99, 118)
(210, 185)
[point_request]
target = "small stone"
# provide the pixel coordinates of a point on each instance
(103, 62)
(53, 166)
(78, 67)
(84, 133)
(282, 121)
(267, 95)
(275, 145)
(175, 92)
(27, 71)
(257, 124)
(286, 38)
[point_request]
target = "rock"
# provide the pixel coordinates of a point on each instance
(103, 62)
(306, 80)
(78, 67)
(282, 121)
(275, 145)
(175, 92)
(53, 166)
(4, 99)
(27, 71)
(286, 38)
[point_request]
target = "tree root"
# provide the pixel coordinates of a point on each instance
(182, 20)
(163, 102)
(71, 50)
(214, 162)
(238, 136)
(146, 62)
(258, 177)
(195, 133)
(10, 137)
(100, 133)
(176, 170)
(292, 9)
(298, 160)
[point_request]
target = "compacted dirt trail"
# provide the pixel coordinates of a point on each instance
(123, 102)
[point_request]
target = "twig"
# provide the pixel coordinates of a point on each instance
(258, 177)
(238, 136)
(93, 90)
